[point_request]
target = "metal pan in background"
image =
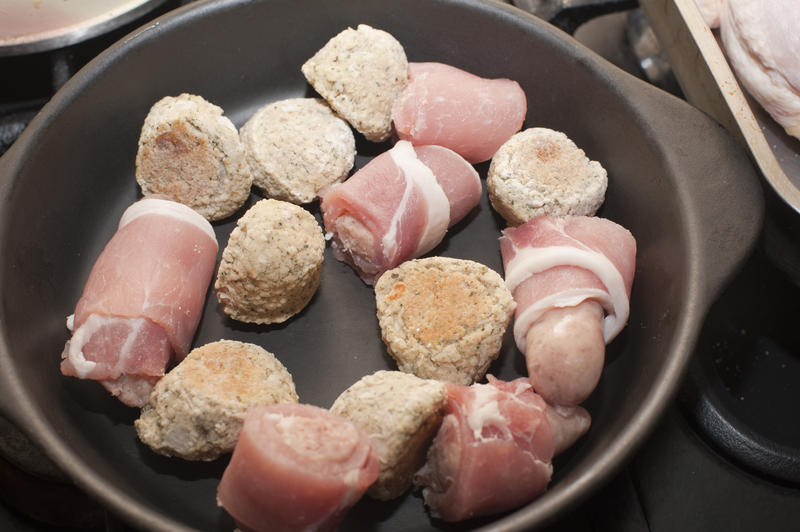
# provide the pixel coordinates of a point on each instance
(677, 180)
(30, 26)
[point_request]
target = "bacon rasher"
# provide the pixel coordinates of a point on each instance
(398, 206)
(494, 450)
(571, 278)
(143, 299)
(296, 467)
(447, 106)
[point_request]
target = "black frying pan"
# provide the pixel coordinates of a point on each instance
(676, 180)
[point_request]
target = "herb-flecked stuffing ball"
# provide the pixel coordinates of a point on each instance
(271, 265)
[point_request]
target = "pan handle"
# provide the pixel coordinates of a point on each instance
(719, 187)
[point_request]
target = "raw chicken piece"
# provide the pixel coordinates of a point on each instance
(494, 449)
(398, 206)
(143, 299)
(762, 42)
(571, 278)
(710, 10)
(450, 107)
(296, 467)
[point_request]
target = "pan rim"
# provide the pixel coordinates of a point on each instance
(566, 494)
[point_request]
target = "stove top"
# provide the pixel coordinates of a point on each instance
(726, 456)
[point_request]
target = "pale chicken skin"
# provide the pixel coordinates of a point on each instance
(710, 11)
(762, 42)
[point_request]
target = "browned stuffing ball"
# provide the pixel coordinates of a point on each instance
(541, 171)
(401, 414)
(360, 73)
(271, 266)
(196, 410)
(443, 318)
(190, 152)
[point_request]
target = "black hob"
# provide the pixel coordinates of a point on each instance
(726, 456)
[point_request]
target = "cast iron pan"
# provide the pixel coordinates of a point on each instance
(676, 180)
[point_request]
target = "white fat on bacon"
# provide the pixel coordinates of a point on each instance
(486, 413)
(75, 347)
(529, 261)
(486, 408)
(156, 205)
(84, 333)
(398, 206)
(436, 202)
(492, 453)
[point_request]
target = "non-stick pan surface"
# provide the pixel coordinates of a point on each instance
(676, 180)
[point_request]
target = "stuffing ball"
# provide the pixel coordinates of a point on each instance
(271, 265)
(297, 147)
(443, 318)
(540, 171)
(196, 411)
(360, 73)
(190, 152)
(401, 414)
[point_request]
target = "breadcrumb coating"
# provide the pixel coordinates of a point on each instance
(196, 410)
(190, 152)
(443, 318)
(296, 147)
(541, 171)
(360, 72)
(401, 414)
(271, 266)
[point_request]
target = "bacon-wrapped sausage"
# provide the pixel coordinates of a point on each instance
(447, 106)
(494, 449)
(571, 278)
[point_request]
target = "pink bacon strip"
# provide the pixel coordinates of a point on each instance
(397, 207)
(143, 299)
(559, 262)
(450, 107)
(492, 453)
(296, 467)
(571, 278)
